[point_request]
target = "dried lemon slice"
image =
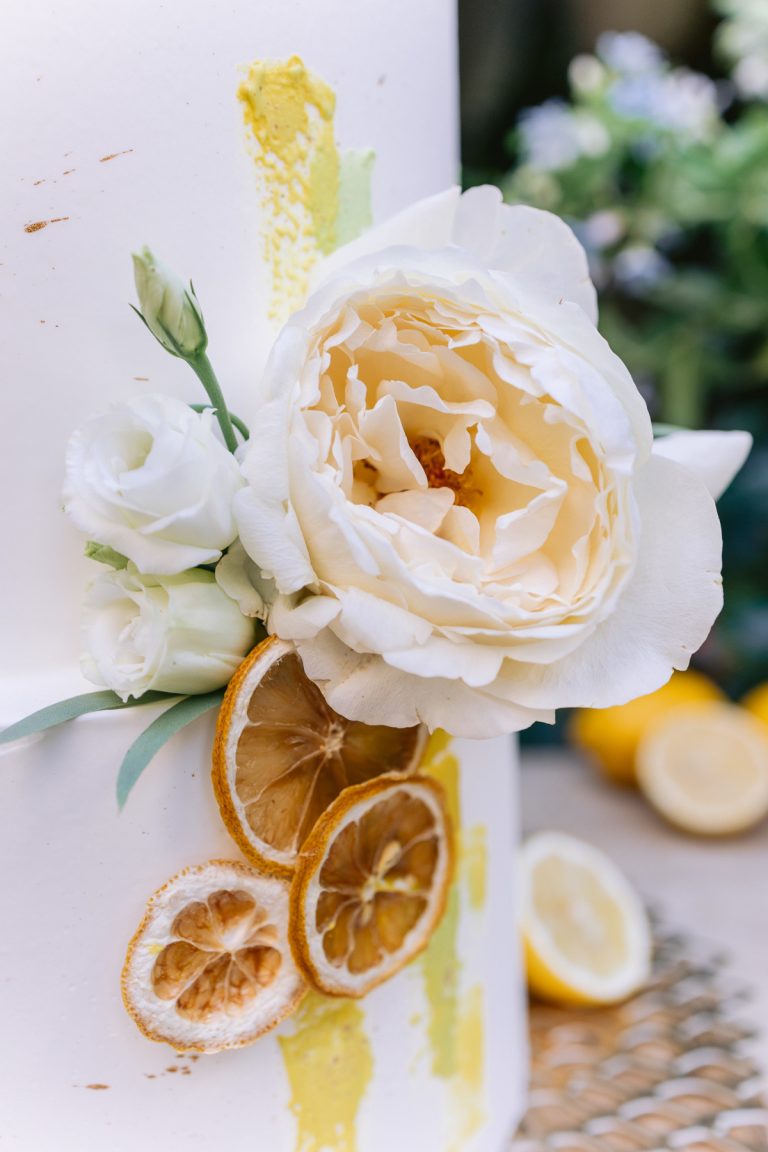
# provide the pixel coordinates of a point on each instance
(281, 755)
(371, 884)
(585, 930)
(210, 967)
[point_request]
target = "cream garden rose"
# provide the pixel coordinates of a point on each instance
(150, 479)
(453, 484)
(179, 634)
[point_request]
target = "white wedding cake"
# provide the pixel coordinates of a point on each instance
(126, 128)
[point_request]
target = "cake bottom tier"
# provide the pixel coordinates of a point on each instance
(435, 1060)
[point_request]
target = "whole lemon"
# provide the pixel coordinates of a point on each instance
(756, 701)
(610, 736)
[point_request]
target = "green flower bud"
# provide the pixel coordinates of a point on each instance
(169, 310)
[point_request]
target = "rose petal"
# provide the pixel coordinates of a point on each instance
(377, 694)
(663, 615)
(715, 457)
(536, 248)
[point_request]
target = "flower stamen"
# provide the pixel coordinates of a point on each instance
(429, 454)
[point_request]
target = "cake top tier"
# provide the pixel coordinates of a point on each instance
(127, 130)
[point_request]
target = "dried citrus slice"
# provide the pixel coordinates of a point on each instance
(585, 930)
(281, 755)
(210, 967)
(705, 768)
(371, 884)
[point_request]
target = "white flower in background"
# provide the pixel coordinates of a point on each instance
(638, 267)
(150, 478)
(169, 309)
(453, 484)
(644, 87)
(630, 53)
(178, 634)
(554, 136)
(586, 74)
(679, 101)
(743, 40)
(603, 229)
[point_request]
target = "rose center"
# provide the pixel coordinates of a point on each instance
(429, 454)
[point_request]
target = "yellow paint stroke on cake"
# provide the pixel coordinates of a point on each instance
(455, 1021)
(441, 969)
(329, 1062)
(468, 1096)
(474, 865)
(440, 962)
(440, 763)
(289, 114)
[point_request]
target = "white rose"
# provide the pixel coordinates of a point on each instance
(149, 478)
(178, 634)
(454, 487)
(243, 582)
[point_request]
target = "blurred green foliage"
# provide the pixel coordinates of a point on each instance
(663, 174)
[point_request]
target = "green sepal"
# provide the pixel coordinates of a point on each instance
(71, 708)
(103, 554)
(158, 733)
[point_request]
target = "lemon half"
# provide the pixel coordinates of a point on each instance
(705, 768)
(610, 736)
(585, 930)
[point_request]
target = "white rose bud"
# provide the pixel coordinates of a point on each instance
(178, 634)
(169, 309)
(150, 479)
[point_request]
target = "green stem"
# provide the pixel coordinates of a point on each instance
(241, 426)
(207, 377)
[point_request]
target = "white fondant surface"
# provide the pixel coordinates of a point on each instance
(153, 85)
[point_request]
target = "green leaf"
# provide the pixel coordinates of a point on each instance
(70, 709)
(159, 731)
(103, 554)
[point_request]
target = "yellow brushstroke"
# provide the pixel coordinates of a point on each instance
(441, 969)
(456, 1022)
(444, 766)
(474, 864)
(440, 962)
(468, 1096)
(329, 1062)
(288, 112)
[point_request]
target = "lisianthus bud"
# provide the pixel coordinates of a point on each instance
(178, 634)
(168, 308)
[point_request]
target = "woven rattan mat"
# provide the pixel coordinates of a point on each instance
(670, 1069)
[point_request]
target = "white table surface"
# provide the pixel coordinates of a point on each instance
(716, 890)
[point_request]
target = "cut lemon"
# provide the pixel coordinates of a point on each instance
(281, 755)
(210, 967)
(585, 930)
(756, 702)
(610, 736)
(371, 884)
(705, 768)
